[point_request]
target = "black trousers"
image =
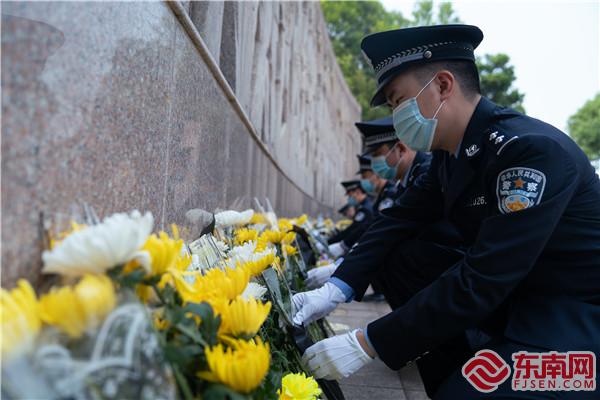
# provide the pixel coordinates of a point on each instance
(410, 267)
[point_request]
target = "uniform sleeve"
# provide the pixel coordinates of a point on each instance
(417, 206)
(359, 229)
(541, 178)
(339, 236)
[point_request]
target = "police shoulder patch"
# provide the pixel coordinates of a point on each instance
(360, 216)
(386, 203)
(519, 188)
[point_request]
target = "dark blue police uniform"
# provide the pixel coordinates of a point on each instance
(526, 200)
(361, 221)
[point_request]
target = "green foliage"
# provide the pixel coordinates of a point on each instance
(497, 77)
(349, 22)
(584, 127)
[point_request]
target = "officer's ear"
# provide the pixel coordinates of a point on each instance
(445, 83)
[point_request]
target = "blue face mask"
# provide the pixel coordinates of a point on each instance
(411, 127)
(382, 168)
(352, 201)
(367, 185)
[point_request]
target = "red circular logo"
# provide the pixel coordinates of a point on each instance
(486, 371)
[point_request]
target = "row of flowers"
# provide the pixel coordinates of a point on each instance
(208, 330)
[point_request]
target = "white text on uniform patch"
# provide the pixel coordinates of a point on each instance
(519, 188)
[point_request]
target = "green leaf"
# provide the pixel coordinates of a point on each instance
(192, 334)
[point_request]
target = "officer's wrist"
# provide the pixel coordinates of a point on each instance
(360, 336)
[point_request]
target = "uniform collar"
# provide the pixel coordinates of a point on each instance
(418, 160)
(480, 120)
(464, 167)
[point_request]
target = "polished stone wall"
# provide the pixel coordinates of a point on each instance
(114, 105)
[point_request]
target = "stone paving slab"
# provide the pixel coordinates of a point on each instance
(376, 380)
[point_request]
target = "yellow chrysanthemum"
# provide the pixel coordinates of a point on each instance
(164, 252)
(301, 220)
(257, 218)
(242, 366)
(290, 250)
(228, 283)
(244, 235)
(75, 309)
(158, 319)
(258, 266)
(289, 238)
(20, 316)
(274, 237)
(298, 387)
(343, 224)
(285, 224)
(244, 317)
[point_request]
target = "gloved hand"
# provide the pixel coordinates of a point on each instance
(319, 275)
(337, 249)
(336, 357)
(315, 304)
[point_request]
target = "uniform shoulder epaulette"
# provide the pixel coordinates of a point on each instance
(498, 140)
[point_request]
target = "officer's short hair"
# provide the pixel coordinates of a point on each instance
(465, 71)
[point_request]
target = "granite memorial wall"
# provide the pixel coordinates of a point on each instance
(167, 106)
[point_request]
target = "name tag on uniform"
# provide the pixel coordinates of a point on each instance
(476, 201)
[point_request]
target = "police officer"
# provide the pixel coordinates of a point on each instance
(340, 243)
(347, 211)
(522, 194)
(396, 164)
(371, 182)
(409, 265)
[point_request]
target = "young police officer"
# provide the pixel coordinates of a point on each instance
(521, 193)
(340, 243)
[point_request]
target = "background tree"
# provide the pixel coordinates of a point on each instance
(584, 127)
(349, 21)
(497, 77)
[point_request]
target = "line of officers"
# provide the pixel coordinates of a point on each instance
(484, 232)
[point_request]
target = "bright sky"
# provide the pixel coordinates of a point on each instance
(553, 45)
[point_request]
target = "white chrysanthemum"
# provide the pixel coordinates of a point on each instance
(97, 248)
(243, 252)
(272, 219)
(255, 290)
(233, 218)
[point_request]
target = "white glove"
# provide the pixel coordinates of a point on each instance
(337, 357)
(319, 275)
(337, 249)
(315, 304)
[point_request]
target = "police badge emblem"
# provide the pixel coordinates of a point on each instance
(519, 188)
(359, 216)
(386, 203)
